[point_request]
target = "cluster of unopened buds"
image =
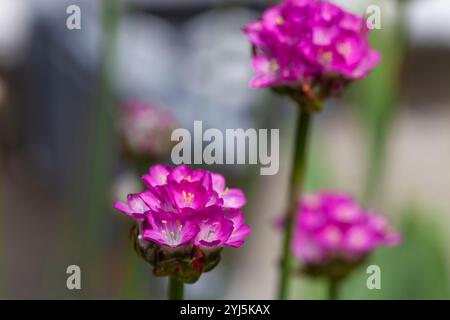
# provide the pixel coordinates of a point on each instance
(183, 220)
(333, 234)
(309, 50)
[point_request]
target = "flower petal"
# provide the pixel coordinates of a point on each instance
(234, 198)
(215, 230)
(157, 176)
(170, 229)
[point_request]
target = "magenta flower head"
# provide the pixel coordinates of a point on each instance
(145, 130)
(184, 218)
(309, 50)
(333, 235)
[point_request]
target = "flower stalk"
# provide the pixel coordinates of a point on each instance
(176, 289)
(333, 289)
(101, 133)
(297, 178)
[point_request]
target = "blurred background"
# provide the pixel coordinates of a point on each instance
(65, 155)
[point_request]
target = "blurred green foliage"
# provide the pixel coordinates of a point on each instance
(376, 99)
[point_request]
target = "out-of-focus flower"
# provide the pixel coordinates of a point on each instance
(184, 218)
(145, 130)
(309, 49)
(333, 234)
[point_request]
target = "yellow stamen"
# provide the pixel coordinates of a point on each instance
(279, 20)
(274, 67)
(345, 49)
(188, 197)
(327, 56)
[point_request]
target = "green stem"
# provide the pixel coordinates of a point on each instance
(376, 164)
(101, 145)
(176, 289)
(333, 286)
(296, 183)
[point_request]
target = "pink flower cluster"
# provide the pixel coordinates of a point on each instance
(331, 226)
(183, 207)
(302, 42)
(145, 129)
